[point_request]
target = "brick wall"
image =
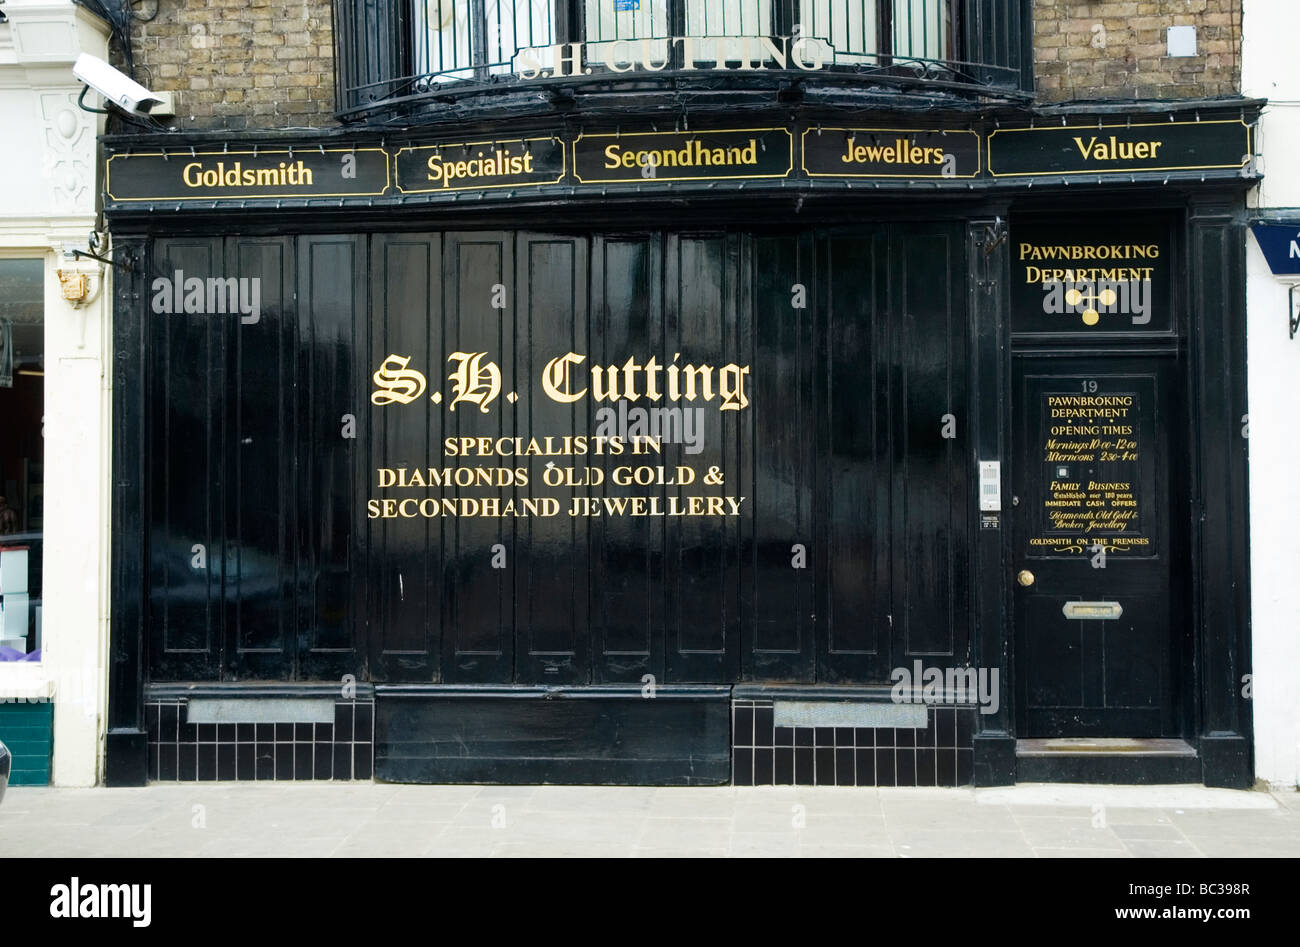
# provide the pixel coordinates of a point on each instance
(1115, 49)
(241, 63)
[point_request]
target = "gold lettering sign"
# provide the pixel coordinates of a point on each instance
(1125, 147)
(280, 172)
(659, 157)
(479, 165)
(890, 153)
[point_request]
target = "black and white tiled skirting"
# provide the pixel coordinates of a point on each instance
(763, 754)
(184, 751)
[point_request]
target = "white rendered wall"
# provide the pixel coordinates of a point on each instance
(47, 198)
(1270, 70)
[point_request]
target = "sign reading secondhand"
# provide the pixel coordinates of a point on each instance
(647, 157)
(186, 175)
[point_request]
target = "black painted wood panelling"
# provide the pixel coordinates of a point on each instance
(407, 605)
(849, 557)
(250, 477)
(187, 434)
(627, 553)
(778, 537)
(260, 508)
(479, 637)
(330, 475)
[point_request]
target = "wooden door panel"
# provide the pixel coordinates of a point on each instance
(407, 575)
(552, 564)
(331, 477)
(186, 519)
(479, 637)
(778, 551)
(261, 498)
(628, 599)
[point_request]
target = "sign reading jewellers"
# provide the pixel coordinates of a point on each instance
(188, 175)
(890, 153)
(1126, 148)
(683, 156)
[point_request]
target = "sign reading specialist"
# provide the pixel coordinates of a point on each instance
(890, 153)
(255, 173)
(1098, 148)
(479, 165)
(647, 157)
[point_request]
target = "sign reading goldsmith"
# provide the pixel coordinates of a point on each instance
(890, 153)
(257, 173)
(643, 157)
(1119, 148)
(479, 165)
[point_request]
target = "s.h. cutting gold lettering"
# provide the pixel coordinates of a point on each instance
(478, 380)
(634, 381)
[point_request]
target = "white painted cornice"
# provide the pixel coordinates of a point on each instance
(46, 35)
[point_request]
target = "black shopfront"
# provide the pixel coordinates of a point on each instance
(819, 442)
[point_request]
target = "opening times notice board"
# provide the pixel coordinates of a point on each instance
(1096, 455)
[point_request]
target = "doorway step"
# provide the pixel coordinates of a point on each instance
(1106, 760)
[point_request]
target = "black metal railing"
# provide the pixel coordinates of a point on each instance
(412, 49)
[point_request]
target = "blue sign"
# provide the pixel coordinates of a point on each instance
(621, 6)
(1281, 246)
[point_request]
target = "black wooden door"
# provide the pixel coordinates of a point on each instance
(1093, 556)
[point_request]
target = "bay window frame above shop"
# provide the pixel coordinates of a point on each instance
(467, 27)
(386, 53)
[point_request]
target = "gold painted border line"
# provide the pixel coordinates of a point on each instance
(979, 152)
(1198, 167)
(108, 181)
(564, 164)
(789, 140)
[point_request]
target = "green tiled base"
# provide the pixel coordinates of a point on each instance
(27, 729)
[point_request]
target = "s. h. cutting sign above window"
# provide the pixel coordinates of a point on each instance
(456, 40)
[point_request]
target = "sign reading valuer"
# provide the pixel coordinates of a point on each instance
(890, 153)
(647, 157)
(1121, 148)
(478, 165)
(279, 172)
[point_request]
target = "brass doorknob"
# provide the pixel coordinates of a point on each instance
(1025, 577)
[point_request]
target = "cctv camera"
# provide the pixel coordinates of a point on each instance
(115, 86)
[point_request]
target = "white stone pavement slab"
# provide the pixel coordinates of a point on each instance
(377, 820)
